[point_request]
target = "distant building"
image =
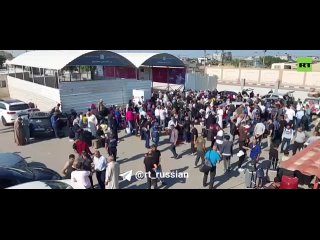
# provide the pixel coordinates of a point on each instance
(284, 66)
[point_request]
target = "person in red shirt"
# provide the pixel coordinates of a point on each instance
(81, 146)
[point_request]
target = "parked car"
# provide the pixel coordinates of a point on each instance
(15, 170)
(228, 94)
(40, 124)
(11, 109)
(49, 184)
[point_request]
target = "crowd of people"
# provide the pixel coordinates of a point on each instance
(176, 114)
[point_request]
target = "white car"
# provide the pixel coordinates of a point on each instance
(11, 109)
(49, 184)
(314, 104)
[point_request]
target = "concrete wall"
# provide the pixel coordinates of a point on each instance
(44, 97)
(313, 79)
(197, 81)
(287, 78)
(251, 76)
(80, 95)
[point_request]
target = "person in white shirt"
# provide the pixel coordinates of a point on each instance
(92, 124)
(113, 172)
(220, 117)
(259, 130)
(157, 114)
(163, 115)
(299, 115)
(100, 166)
(81, 176)
(299, 106)
(219, 138)
(290, 113)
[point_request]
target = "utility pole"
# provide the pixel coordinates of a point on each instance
(222, 57)
(264, 55)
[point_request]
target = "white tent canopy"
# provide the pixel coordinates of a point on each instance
(58, 59)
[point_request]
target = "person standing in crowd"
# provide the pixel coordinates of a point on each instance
(92, 124)
(255, 153)
(69, 167)
(80, 145)
(130, 119)
(157, 114)
(287, 137)
(114, 127)
(227, 153)
(100, 166)
(186, 130)
(214, 157)
(201, 149)
(299, 140)
(26, 127)
(173, 140)
(19, 137)
(233, 129)
(219, 138)
(299, 115)
(156, 154)
(271, 133)
(146, 130)
(112, 174)
(81, 176)
(156, 133)
(55, 123)
(194, 137)
(111, 146)
(87, 164)
(274, 155)
(259, 130)
(163, 116)
(309, 117)
(220, 116)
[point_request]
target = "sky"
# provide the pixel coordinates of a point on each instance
(200, 53)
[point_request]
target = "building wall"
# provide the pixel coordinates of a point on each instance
(4, 91)
(44, 97)
(287, 78)
(80, 95)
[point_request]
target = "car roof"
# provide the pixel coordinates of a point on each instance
(11, 101)
(10, 159)
(45, 184)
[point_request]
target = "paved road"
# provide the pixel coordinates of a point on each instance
(54, 154)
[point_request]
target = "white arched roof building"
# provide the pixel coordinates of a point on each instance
(45, 78)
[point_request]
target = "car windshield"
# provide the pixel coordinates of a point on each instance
(12, 160)
(18, 107)
(57, 185)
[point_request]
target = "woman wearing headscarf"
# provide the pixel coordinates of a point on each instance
(19, 137)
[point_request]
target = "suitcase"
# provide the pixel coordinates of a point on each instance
(250, 179)
(289, 182)
(97, 143)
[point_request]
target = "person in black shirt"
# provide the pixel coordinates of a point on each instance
(194, 137)
(274, 156)
(186, 130)
(111, 144)
(156, 154)
(150, 169)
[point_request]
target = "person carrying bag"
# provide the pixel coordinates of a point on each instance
(212, 157)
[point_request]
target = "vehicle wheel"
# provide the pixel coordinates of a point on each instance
(4, 122)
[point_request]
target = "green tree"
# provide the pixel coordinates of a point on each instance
(269, 60)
